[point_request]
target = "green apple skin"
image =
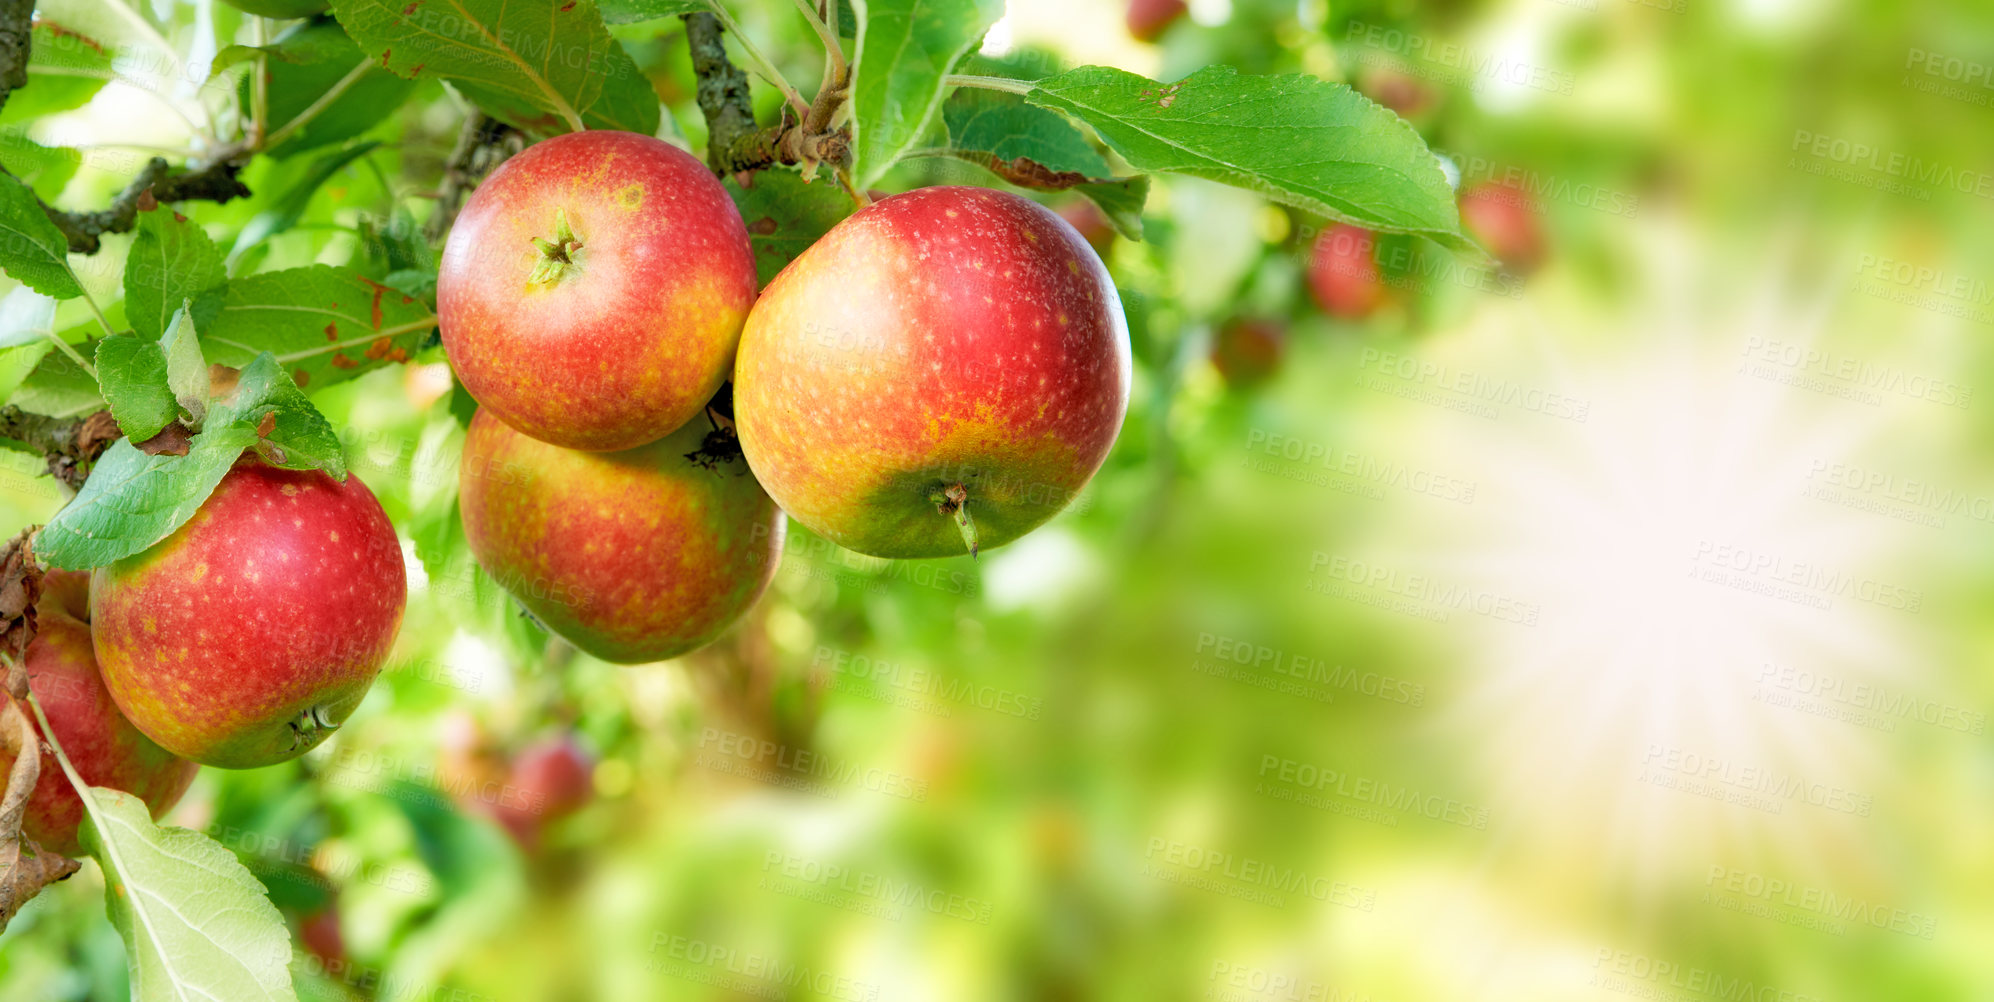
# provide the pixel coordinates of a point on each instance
(947, 338)
(249, 634)
(632, 556)
(102, 745)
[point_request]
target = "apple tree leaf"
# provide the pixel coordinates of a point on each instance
(324, 324)
(905, 50)
(132, 372)
(26, 317)
(32, 250)
(535, 64)
(196, 923)
(1035, 148)
(785, 215)
(133, 500)
(171, 260)
(633, 11)
(66, 68)
(1316, 145)
(307, 61)
(291, 433)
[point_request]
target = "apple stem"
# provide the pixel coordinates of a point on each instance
(953, 501)
(556, 255)
(309, 723)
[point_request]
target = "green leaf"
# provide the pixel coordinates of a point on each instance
(290, 207)
(785, 215)
(45, 169)
(172, 260)
(32, 250)
(132, 372)
(57, 386)
(1004, 126)
(324, 324)
(300, 438)
(26, 317)
(195, 922)
(133, 500)
(1035, 148)
(186, 369)
(304, 64)
(632, 11)
(65, 70)
(905, 49)
(1306, 142)
(527, 62)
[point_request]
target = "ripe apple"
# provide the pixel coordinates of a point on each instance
(551, 779)
(319, 933)
(248, 635)
(592, 291)
(103, 746)
(1148, 18)
(1504, 218)
(68, 591)
(631, 556)
(1342, 273)
(942, 371)
(1248, 350)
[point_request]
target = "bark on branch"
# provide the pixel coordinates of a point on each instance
(733, 141)
(485, 143)
(70, 445)
(213, 183)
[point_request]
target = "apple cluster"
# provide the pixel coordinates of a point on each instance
(938, 374)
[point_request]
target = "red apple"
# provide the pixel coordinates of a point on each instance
(1403, 94)
(593, 289)
(248, 635)
(631, 556)
(1248, 350)
(68, 591)
(1342, 273)
(1091, 223)
(1148, 18)
(103, 746)
(319, 933)
(551, 779)
(942, 371)
(1504, 218)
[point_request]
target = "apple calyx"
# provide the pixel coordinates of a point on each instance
(307, 725)
(953, 501)
(556, 255)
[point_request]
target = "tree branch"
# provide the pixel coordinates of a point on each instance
(213, 183)
(733, 141)
(70, 445)
(484, 143)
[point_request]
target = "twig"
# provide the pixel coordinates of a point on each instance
(484, 143)
(69, 445)
(733, 141)
(213, 183)
(833, 52)
(762, 65)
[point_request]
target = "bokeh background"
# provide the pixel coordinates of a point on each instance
(1609, 628)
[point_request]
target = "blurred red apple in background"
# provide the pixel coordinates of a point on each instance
(1248, 350)
(1147, 19)
(1343, 274)
(1505, 219)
